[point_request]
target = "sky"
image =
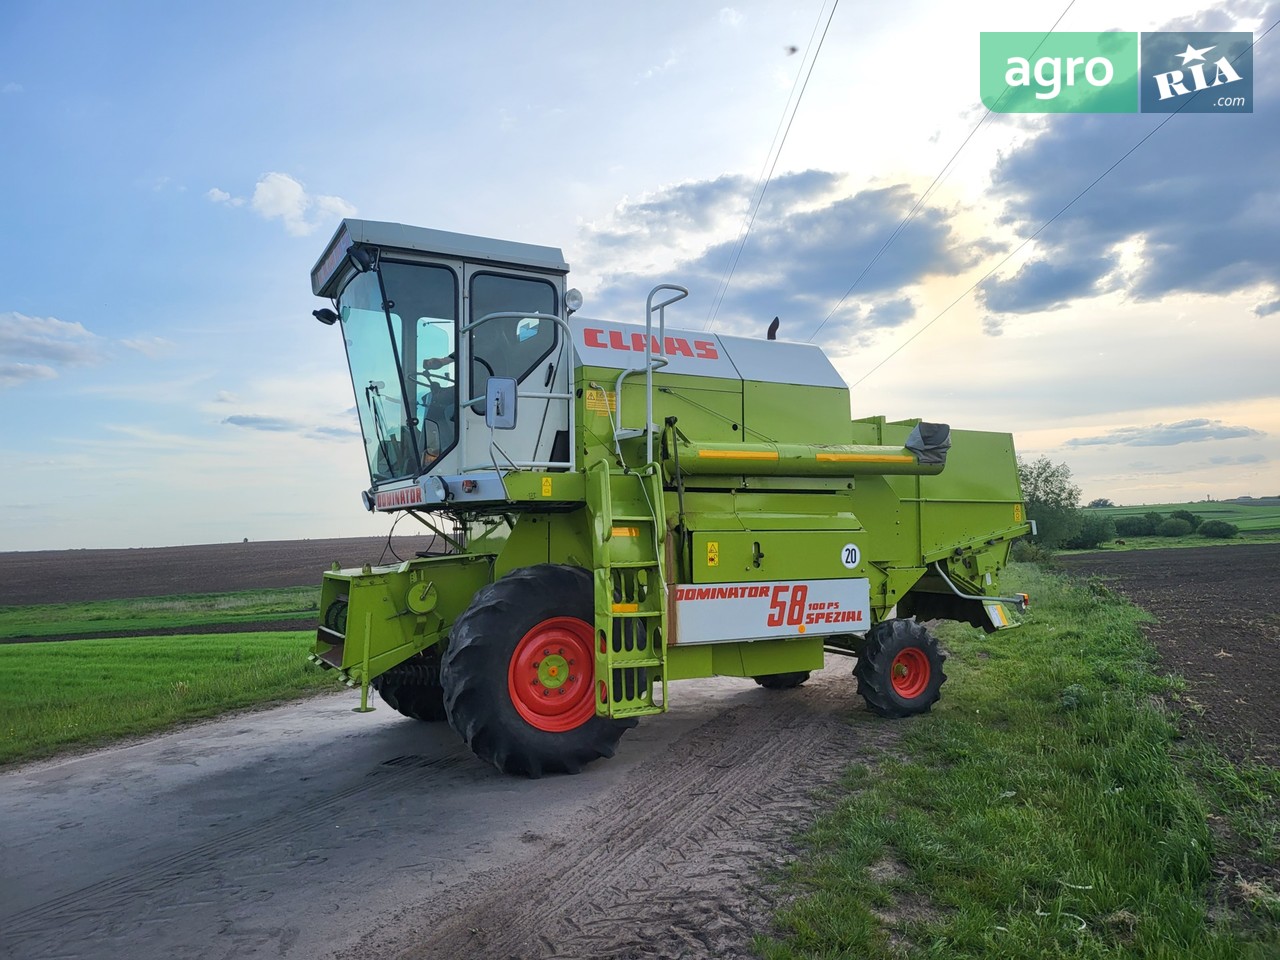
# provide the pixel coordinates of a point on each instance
(170, 173)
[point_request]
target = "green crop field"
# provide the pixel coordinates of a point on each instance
(1257, 520)
(87, 692)
(196, 610)
(1260, 516)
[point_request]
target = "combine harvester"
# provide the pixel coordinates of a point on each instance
(630, 505)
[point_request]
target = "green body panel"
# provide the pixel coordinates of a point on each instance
(389, 614)
(770, 409)
(757, 659)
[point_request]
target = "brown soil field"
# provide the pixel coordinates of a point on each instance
(1218, 625)
(69, 576)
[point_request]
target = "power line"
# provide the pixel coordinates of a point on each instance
(936, 180)
(745, 231)
(1096, 180)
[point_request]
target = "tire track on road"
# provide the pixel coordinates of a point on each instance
(670, 863)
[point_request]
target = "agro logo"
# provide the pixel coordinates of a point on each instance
(675, 346)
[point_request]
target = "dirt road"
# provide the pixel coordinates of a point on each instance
(306, 831)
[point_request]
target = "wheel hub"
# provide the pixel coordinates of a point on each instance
(550, 675)
(910, 673)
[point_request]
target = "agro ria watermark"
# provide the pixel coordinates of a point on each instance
(1117, 72)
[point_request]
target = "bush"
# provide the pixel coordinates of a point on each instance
(1186, 515)
(1173, 527)
(1219, 529)
(1155, 519)
(1094, 530)
(1135, 526)
(1026, 550)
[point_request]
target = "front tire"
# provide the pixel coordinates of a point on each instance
(519, 674)
(413, 687)
(899, 670)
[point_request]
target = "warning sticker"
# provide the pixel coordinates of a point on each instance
(601, 401)
(713, 553)
(715, 612)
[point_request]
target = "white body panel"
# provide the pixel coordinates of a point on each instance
(720, 612)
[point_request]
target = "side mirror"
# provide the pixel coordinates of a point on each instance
(500, 403)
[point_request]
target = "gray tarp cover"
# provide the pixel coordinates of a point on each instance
(930, 442)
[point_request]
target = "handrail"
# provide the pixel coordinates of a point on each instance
(649, 366)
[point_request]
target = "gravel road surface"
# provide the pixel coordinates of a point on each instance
(307, 831)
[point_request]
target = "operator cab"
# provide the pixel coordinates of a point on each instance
(429, 318)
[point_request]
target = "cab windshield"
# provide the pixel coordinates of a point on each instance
(403, 365)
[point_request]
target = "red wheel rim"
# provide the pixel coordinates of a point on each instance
(910, 672)
(550, 678)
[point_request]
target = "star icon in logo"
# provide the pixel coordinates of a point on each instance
(1191, 53)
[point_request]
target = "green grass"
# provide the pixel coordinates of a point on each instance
(68, 619)
(1037, 812)
(87, 692)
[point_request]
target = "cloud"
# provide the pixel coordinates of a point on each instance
(810, 239)
(1196, 200)
(12, 374)
(225, 396)
(150, 347)
(214, 195)
(1247, 459)
(1167, 435)
(1266, 309)
(278, 196)
(10, 88)
(730, 17)
(891, 313)
(335, 433)
(42, 344)
(270, 424)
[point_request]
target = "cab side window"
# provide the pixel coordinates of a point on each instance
(511, 346)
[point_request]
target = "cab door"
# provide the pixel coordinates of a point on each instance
(529, 350)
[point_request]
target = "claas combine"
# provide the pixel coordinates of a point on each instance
(627, 505)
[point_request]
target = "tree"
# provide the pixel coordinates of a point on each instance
(1053, 501)
(1188, 516)
(1095, 530)
(1100, 503)
(1218, 528)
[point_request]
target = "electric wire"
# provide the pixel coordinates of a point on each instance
(744, 232)
(937, 180)
(1070, 203)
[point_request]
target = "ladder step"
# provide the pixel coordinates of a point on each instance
(635, 614)
(629, 664)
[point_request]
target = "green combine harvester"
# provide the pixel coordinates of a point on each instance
(628, 505)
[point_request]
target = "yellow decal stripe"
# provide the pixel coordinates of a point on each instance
(738, 454)
(626, 531)
(626, 608)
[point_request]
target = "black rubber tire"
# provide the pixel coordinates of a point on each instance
(413, 688)
(874, 669)
(782, 681)
(475, 666)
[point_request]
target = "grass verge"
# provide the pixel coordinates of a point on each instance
(55, 695)
(1038, 812)
(101, 616)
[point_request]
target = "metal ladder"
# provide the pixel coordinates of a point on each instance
(628, 537)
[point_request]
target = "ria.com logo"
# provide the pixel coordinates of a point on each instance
(1192, 72)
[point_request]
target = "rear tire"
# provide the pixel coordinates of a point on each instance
(519, 674)
(899, 670)
(413, 687)
(782, 681)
